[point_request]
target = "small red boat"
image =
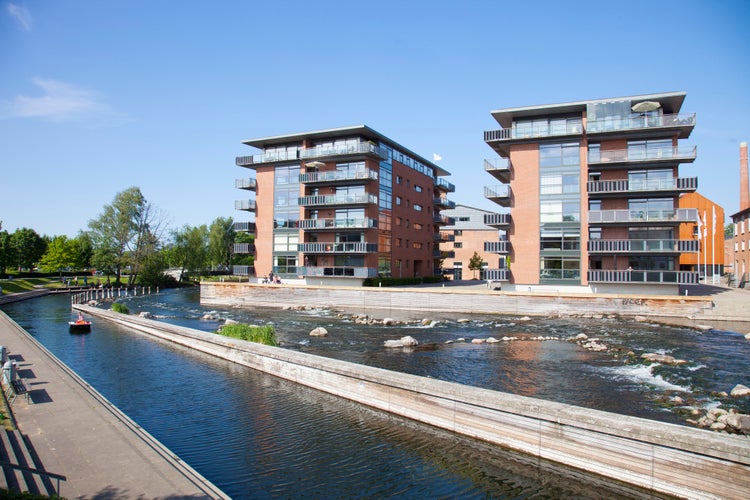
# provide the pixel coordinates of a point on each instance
(80, 325)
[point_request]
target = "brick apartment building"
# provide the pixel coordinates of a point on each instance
(593, 189)
(341, 205)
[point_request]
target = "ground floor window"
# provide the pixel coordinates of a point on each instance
(559, 268)
(285, 264)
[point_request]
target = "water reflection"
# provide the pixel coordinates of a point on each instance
(256, 436)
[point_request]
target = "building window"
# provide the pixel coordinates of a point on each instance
(398, 242)
(398, 200)
(559, 154)
(458, 232)
(398, 221)
(458, 244)
(417, 207)
(416, 245)
(399, 179)
(418, 226)
(417, 188)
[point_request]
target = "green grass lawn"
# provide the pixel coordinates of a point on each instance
(17, 285)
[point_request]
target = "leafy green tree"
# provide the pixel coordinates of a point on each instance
(7, 251)
(475, 263)
(729, 231)
(243, 259)
(28, 247)
(60, 254)
(191, 248)
(126, 233)
(221, 236)
(83, 250)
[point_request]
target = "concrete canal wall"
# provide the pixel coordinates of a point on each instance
(666, 458)
(450, 300)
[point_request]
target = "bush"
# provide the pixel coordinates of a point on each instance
(120, 308)
(260, 334)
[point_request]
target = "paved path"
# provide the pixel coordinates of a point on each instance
(76, 432)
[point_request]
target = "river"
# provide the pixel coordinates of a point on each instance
(256, 436)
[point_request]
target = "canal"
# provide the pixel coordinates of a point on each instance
(256, 436)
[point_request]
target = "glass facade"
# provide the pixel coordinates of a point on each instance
(560, 213)
(286, 219)
(385, 211)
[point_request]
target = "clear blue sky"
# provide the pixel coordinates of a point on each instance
(96, 97)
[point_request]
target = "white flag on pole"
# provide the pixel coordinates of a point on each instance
(714, 226)
(705, 224)
(700, 228)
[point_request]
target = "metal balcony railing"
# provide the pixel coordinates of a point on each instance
(499, 168)
(248, 205)
(497, 246)
(249, 184)
(243, 248)
(643, 276)
(323, 224)
(328, 248)
(680, 153)
(496, 274)
(613, 124)
(443, 220)
(339, 271)
(642, 246)
(244, 227)
(336, 176)
(687, 184)
(637, 216)
(496, 220)
(243, 270)
(499, 194)
(444, 236)
(343, 199)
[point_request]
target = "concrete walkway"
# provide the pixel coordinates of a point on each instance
(76, 432)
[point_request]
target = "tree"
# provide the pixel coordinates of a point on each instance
(475, 263)
(125, 233)
(190, 246)
(729, 231)
(28, 247)
(6, 252)
(221, 236)
(60, 254)
(83, 250)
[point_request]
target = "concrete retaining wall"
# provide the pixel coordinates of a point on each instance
(449, 300)
(667, 458)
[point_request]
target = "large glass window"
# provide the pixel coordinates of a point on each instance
(642, 150)
(558, 154)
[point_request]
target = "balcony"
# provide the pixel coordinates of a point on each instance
(671, 187)
(337, 248)
(499, 168)
(500, 140)
(619, 157)
(499, 221)
(499, 194)
(336, 224)
(336, 177)
(338, 200)
(501, 247)
(643, 125)
(248, 205)
(339, 271)
(443, 220)
(643, 276)
(642, 246)
(496, 274)
(243, 248)
(643, 217)
(444, 236)
(249, 184)
(252, 161)
(244, 227)
(363, 147)
(243, 270)
(444, 185)
(443, 203)
(443, 254)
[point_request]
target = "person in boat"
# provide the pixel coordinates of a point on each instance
(80, 320)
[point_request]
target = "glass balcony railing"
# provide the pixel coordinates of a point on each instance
(443, 220)
(444, 236)
(327, 248)
(249, 184)
(444, 185)
(344, 199)
(531, 131)
(497, 246)
(338, 271)
(679, 153)
(686, 184)
(642, 246)
(444, 203)
(643, 276)
(499, 168)
(323, 224)
(336, 176)
(499, 194)
(617, 123)
(248, 205)
(633, 216)
(348, 149)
